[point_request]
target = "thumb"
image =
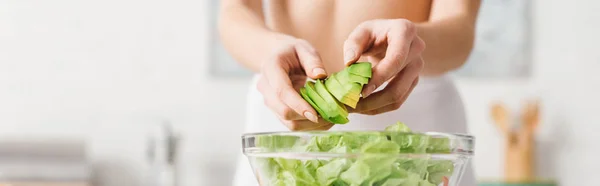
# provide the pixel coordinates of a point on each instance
(357, 43)
(310, 61)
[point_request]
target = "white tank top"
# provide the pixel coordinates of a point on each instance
(433, 106)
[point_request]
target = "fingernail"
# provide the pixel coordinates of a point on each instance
(319, 72)
(349, 55)
(368, 90)
(311, 117)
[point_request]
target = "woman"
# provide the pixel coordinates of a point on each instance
(292, 40)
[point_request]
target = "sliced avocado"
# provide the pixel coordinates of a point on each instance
(353, 90)
(309, 94)
(320, 88)
(347, 92)
(335, 88)
(339, 119)
(337, 108)
(345, 74)
(361, 69)
(328, 109)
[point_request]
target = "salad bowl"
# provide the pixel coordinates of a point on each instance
(395, 156)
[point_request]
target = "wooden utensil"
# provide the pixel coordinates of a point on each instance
(519, 144)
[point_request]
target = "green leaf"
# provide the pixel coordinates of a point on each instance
(329, 172)
(398, 127)
(341, 149)
(311, 146)
(439, 145)
(411, 143)
(287, 164)
(268, 170)
(356, 174)
(380, 146)
(412, 180)
(425, 183)
(275, 142)
(288, 178)
(304, 177)
(416, 166)
(328, 142)
(378, 173)
(393, 182)
(339, 183)
(439, 169)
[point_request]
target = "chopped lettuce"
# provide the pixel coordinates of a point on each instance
(274, 142)
(356, 174)
(438, 169)
(375, 159)
(329, 173)
(398, 127)
(438, 145)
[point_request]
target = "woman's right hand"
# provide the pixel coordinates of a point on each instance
(281, 77)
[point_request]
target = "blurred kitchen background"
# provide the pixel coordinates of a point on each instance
(131, 92)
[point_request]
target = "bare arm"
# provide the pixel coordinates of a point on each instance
(243, 32)
(449, 34)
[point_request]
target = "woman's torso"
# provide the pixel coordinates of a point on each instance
(327, 23)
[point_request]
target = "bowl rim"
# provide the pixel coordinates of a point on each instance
(461, 136)
(456, 137)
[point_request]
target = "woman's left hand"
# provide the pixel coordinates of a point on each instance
(395, 51)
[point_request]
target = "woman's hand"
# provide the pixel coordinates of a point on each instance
(395, 51)
(281, 78)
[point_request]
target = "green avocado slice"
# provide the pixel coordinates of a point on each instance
(345, 74)
(353, 90)
(345, 91)
(338, 112)
(306, 94)
(335, 88)
(361, 69)
(327, 109)
(339, 119)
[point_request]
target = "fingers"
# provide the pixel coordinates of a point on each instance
(281, 109)
(277, 76)
(396, 91)
(403, 45)
(306, 125)
(358, 42)
(393, 106)
(310, 60)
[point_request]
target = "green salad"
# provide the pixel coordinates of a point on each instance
(378, 161)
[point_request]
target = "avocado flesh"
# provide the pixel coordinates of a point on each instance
(338, 112)
(330, 97)
(347, 92)
(335, 88)
(360, 69)
(339, 119)
(345, 74)
(331, 112)
(353, 90)
(320, 87)
(311, 96)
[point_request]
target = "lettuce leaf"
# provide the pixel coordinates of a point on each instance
(378, 162)
(438, 169)
(329, 173)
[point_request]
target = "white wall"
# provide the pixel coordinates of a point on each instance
(565, 77)
(104, 70)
